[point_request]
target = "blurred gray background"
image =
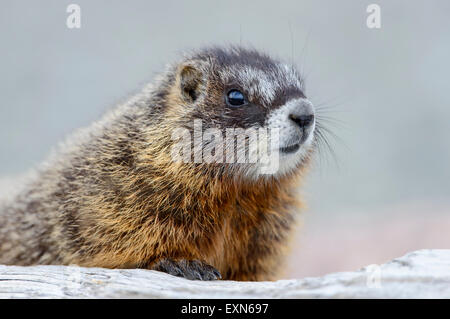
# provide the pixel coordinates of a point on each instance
(386, 189)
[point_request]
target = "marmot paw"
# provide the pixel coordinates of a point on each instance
(189, 269)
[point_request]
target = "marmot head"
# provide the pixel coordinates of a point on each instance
(220, 91)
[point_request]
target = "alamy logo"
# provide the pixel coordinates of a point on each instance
(73, 21)
(373, 276)
(71, 278)
(374, 18)
(230, 145)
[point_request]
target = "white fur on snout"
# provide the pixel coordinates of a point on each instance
(289, 133)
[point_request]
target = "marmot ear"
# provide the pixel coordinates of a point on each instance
(191, 81)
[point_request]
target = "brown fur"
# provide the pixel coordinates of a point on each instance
(112, 197)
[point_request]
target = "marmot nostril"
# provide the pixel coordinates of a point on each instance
(303, 121)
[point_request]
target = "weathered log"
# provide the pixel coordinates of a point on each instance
(420, 274)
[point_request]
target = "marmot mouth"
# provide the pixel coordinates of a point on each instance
(291, 148)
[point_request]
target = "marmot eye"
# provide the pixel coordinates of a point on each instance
(235, 98)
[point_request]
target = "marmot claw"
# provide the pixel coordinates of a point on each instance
(189, 269)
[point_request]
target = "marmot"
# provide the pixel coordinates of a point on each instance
(112, 195)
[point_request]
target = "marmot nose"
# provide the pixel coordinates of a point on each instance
(304, 121)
